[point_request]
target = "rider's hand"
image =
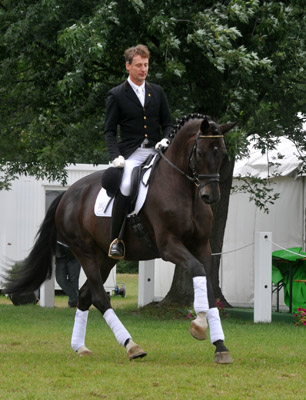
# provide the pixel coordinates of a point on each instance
(118, 162)
(162, 145)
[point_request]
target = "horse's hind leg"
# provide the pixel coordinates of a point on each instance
(122, 335)
(80, 321)
(94, 293)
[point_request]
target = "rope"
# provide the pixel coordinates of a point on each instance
(232, 251)
(288, 251)
(251, 244)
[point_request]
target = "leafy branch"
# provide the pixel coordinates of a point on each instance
(260, 191)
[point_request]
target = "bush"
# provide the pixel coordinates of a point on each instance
(127, 267)
(300, 317)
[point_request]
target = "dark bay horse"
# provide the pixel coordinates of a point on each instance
(176, 215)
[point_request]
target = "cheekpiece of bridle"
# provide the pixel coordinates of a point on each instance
(196, 177)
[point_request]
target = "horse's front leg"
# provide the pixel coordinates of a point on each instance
(198, 327)
(222, 355)
(177, 253)
(204, 300)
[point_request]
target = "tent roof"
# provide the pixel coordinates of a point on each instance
(285, 156)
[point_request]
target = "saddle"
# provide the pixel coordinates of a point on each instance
(111, 180)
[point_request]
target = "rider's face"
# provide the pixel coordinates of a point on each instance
(138, 69)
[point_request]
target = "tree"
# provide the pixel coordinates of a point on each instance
(235, 60)
(44, 123)
(255, 50)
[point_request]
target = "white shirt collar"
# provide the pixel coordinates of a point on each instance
(135, 87)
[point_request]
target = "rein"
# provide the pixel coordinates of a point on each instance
(196, 177)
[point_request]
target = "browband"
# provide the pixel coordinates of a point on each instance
(210, 136)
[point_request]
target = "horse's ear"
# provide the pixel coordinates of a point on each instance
(204, 125)
(227, 127)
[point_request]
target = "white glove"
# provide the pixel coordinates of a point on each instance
(118, 162)
(162, 145)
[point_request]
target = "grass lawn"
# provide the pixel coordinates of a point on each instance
(37, 363)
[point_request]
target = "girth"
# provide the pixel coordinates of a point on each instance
(136, 224)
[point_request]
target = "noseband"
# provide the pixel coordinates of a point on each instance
(196, 177)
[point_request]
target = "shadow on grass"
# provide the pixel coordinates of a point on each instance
(247, 314)
(173, 311)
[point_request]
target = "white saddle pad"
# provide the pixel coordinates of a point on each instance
(104, 203)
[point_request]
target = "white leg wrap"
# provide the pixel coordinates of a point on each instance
(200, 303)
(215, 327)
(116, 326)
(79, 329)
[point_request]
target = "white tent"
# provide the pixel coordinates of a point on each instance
(286, 218)
(22, 209)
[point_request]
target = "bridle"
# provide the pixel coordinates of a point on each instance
(196, 177)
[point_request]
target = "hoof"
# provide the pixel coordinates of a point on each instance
(223, 357)
(198, 327)
(83, 351)
(134, 351)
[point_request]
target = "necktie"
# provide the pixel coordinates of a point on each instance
(140, 96)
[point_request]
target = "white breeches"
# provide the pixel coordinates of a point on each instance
(135, 159)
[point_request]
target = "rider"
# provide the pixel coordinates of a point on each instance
(141, 111)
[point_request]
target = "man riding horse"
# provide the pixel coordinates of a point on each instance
(180, 230)
(141, 111)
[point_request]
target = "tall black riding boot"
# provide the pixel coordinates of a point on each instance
(120, 211)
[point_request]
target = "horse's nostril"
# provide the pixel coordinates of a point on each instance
(206, 198)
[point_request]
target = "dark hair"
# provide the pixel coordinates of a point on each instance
(140, 50)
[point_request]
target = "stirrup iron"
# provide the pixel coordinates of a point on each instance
(114, 256)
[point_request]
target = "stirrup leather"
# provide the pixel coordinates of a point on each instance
(110, 248)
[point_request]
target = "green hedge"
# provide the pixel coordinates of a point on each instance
(127, 267)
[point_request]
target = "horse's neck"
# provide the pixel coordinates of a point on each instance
(178, 153)
(169, 178)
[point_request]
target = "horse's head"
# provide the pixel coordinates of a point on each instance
(206, 158)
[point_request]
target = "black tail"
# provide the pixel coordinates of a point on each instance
(37, 267)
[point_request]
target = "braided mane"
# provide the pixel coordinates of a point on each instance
(182, 121)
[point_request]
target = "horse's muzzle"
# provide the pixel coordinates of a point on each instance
(210, 193)
(209, 199)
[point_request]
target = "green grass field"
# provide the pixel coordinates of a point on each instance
(37, 363)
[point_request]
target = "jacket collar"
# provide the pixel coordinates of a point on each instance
(132, 95)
